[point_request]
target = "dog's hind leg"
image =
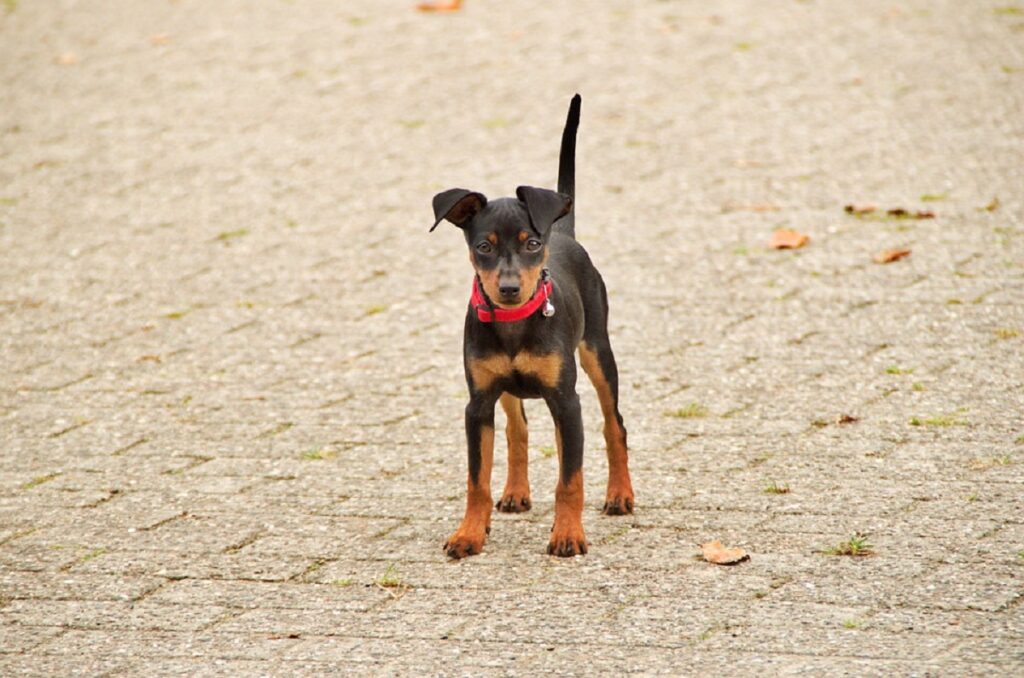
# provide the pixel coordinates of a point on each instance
(516, 497)
(598, 362)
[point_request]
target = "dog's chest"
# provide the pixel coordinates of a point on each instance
(523, 367)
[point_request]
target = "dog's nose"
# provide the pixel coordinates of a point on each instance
(508, 291)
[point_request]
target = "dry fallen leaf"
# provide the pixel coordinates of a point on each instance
(67, 59)
(992, 206)
(846, 419)
(450, 6)
(889, 256)
(865, 208)
(714, 552)
(787, 239)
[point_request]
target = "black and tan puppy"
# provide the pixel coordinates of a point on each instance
(536, 300)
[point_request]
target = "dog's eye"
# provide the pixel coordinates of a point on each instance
(484, 248)
(533, 245)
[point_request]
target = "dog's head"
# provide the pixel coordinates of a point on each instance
(507, 238)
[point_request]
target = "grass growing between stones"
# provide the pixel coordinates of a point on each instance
(277, 430)
(92, 554)
(39, 480)
(710, 631)
(227, 236)
(95, 553)
(319, 454)
(856, 546)
(691, 411)
(391, 581)
(775, 488)
(616, 535)
(951, 419)
(990, 462)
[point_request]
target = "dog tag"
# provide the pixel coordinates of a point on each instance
(549, 308)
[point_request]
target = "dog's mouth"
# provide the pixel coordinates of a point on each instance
(508, 301)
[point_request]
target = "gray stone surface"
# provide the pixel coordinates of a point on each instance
(231, 391)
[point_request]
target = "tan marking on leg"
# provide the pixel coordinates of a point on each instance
(485, 371)
(619, 498)
(545, 368)
(567, 537)
(469, 539)
(516, 496)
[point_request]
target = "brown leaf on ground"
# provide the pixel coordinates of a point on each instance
(992, 206)
(450, 6)
(865, 208)
(901, 213)
(67, 59)
(846, 419)
(787, 239)
(714, 552)
(889, 256)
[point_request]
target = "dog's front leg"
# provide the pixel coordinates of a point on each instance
(567, 538)
(468, 540)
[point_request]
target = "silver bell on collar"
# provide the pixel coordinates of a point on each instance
(549, 308)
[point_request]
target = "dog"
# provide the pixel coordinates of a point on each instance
(536, 300)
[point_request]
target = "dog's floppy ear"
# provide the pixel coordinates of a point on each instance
(545, 206)
(457, 205)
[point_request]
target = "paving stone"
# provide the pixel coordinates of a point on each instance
(231, 391)
(134, 644)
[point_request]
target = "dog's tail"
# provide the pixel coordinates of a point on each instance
(567, 166)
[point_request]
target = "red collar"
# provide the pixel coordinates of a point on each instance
(509, 315)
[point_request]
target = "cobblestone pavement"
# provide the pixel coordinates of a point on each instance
(231, 392)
